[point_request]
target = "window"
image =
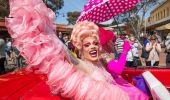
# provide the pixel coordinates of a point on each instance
(153, 17)
(161, 15)
(158, 16)
(167, 11)
(164, 14)
(149, 19)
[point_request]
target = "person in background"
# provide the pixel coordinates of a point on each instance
(60, 36)
(18, 58)
(73, 50)
(158, 38)
(129, 59)
(119, 45)
(146, 40)
(66, 39)
(107, 42)
(154, 48)
(8, 47)
(2, 56)
(135, 45)
(167, 49)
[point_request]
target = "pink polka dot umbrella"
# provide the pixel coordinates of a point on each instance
(102, 10)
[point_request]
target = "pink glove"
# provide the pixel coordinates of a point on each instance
(126, 47)
(117, 66)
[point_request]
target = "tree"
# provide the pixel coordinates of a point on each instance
(52, 4)
(135, 18)
(72, 17)
(4, 8)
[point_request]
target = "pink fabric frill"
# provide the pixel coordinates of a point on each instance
(31, 25)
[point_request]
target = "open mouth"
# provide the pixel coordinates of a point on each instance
(93, 53)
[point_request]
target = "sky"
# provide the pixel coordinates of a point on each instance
(69, 6)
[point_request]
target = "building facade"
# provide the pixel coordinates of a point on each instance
(160, 12)
(3, 30)
(159, 19)
(65, 29)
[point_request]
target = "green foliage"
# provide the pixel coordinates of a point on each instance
(2, 19)
(4, 8)
(54, 4)
(134, 18)
(72, 17)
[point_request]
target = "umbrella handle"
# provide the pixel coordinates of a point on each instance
(114, 17)
(117, 25)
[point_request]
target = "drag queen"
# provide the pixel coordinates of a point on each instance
(30, 23)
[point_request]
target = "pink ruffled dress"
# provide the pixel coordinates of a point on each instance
(31, 25)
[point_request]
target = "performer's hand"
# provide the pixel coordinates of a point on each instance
(126, 46)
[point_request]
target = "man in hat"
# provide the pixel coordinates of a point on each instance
(154, 48)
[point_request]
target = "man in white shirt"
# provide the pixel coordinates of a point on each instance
(2, 56)
(132, 59)
(119, 45)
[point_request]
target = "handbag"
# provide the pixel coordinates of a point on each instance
(136, 62)
(145, 54)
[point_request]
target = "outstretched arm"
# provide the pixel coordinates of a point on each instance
(34, 33)
(117, 66)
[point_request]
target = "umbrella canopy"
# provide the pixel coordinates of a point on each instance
(102, 10)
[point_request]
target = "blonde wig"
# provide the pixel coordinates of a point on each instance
(82, 30)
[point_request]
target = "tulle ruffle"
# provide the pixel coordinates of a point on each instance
(31, 25)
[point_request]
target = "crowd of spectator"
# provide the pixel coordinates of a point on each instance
(150, 48)
(10, 57)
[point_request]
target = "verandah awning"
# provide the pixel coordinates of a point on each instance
(163, 27)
